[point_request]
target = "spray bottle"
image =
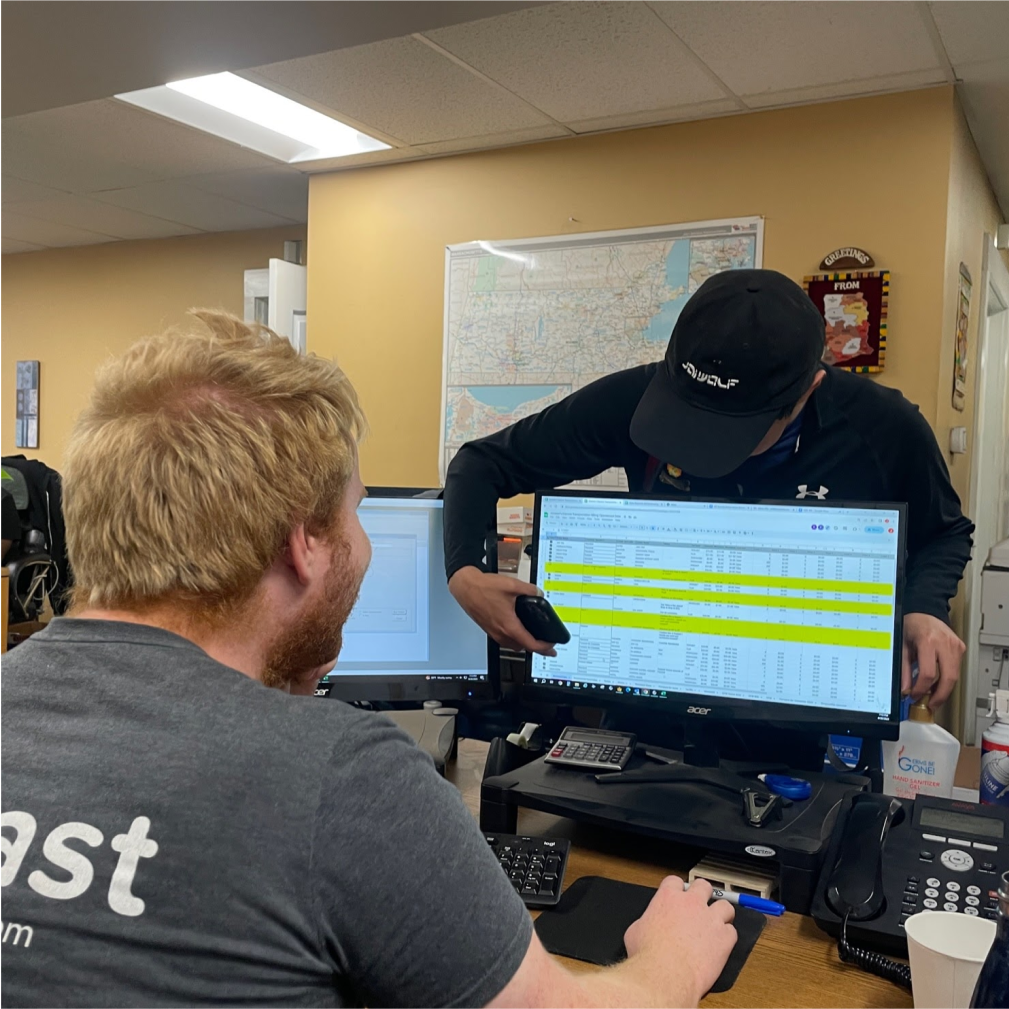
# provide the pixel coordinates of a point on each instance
(923, 760)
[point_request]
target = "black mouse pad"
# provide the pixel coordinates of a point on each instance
(592, 916)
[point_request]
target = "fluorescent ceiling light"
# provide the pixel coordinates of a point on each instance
(231, 107)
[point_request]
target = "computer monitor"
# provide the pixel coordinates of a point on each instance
(407, 639)
(775, 611)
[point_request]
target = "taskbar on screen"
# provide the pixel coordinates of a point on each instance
(604, 687)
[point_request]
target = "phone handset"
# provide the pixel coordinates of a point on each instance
(855, 886)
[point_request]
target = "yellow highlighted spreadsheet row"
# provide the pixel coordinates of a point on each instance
(720, 578)
(721, 598)
(840, 636)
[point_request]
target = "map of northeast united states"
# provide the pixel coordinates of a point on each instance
(526, 330)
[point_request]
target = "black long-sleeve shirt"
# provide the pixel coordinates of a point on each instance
(859, 441)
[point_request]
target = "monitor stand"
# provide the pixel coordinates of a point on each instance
(679, 803)
(701, 765)
(432, 728)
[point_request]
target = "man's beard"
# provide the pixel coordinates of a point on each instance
(316, 638)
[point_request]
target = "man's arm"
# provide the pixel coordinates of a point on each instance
(676, 951)
(939, 538)
(581, 436)
(414, 909)
(575, 439)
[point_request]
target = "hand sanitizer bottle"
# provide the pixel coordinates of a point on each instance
(923, 760)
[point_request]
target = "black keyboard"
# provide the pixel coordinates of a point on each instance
(535, 865)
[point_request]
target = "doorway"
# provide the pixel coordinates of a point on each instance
(989, 481)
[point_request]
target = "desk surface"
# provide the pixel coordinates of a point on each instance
(793, 963)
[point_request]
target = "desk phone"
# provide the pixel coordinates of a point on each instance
(891, 858)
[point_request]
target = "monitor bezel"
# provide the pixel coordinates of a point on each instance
(696, 706)
(415, 687)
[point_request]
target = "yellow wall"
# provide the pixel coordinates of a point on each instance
(72, 308)
(870, 172)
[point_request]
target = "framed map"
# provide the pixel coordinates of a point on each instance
(529, 321)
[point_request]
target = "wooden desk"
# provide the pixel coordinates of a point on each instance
(793, 963)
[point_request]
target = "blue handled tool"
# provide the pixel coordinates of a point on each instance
(787, 787)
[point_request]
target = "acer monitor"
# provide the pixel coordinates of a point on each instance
(782, 612)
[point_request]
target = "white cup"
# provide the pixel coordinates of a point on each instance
(946, 950)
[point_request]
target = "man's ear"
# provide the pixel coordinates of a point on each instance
(299, 554)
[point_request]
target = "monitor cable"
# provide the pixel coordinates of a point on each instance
(872, 963)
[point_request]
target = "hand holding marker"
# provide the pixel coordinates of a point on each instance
(747, 900)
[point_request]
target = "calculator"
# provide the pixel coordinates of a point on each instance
(592, 749)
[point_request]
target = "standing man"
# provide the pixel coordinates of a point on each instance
(741, 407)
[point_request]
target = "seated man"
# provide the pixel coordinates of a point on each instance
(177, 833)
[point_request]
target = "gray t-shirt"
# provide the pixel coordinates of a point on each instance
(175, 833)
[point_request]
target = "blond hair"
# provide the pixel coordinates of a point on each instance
(199, 452)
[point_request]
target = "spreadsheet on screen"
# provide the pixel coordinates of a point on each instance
(772, 602)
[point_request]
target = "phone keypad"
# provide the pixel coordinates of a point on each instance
(976, 902)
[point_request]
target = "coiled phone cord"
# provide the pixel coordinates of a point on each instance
(872, 963)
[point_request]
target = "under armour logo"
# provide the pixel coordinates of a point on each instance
(820, 494)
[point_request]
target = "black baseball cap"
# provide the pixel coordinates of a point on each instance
(746, 346)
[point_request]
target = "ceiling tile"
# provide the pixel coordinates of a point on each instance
(486, 141)
(579, 61)
(280, 191)
(31, 229)
(57, 55)
(103, 218)
(973, 32)
(758, 47)
(9, 246)
(15, 190)
(110, 145)
(404, 89)
(31, 154)
(175, 201)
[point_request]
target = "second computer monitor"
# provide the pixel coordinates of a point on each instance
(407, 638)
(769, 611)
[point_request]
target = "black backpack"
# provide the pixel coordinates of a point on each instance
(38, 498)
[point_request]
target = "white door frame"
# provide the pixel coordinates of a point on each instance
(993, 275)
